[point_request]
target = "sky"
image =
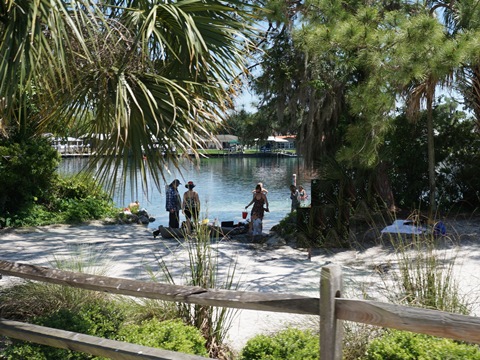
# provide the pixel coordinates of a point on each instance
(246, 100)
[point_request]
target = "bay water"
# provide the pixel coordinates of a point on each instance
(224, 184)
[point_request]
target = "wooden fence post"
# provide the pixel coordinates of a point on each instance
(331, 329)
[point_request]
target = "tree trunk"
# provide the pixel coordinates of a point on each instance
(431, 158)
(475, 95)
(382, 186)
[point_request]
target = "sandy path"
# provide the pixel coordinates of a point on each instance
(130, 250)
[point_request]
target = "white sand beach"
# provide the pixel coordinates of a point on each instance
(131, 250)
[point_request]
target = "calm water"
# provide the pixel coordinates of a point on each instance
(224, 185)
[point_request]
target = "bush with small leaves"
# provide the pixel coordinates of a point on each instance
(403, 345)
(292, 344)
(171, 335)
(102, 318)
(27, 172)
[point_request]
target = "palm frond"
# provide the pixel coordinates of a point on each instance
(140, 73)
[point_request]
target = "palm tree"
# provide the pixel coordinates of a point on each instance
(425, 67)
(142, 73)
(461, 23)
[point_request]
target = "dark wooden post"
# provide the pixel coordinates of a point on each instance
(331, 329)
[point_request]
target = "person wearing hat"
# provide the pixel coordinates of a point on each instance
(191, 205)
(173, 204)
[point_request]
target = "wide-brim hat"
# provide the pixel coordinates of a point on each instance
(190, 184)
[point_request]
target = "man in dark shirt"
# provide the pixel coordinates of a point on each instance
(173, 204)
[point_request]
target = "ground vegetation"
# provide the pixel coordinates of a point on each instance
(33, 193)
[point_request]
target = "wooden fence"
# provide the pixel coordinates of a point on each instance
(331, 308)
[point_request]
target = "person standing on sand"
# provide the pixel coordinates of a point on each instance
(302, 196)
(191, 205)
(259, 199)
(294, 197)
(173, 204)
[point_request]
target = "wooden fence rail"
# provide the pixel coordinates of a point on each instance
(417, 320)
(286, 303)
(89, 344)
(331, 307)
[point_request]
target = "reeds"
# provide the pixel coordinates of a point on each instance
(29, 299)
(203, 267)
(424, 274)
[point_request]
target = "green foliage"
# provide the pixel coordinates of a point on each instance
(457, 147)
(169, 335)
(80, 210)
(27, 172)
(69, 200)
(33, 194)
(100, 318)
(202, 269)
(153, 94)
(23, 350)
(402, 345)
(80, 199)
(244, 125)
(62, 307)
(35, 215)
(29, 300)
(292, 344)
(288, 225)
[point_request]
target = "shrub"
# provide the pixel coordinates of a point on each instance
(34, 214)
(33, 194)
(169, 335)
(292, 344)
(62, 307)
(457, 152)
(100, 318)
(403, 345)
(80, 199)
(78, 187)
(288, 225)
(69, 200)
(27, 171)
(89, 208)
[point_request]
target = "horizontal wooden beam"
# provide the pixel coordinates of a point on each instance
(437, 323)
(425, 321)
(88, 344)
(286, 303)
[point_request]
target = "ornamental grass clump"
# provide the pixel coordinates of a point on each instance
(202, 267)
(425, 276)
(31, 299)
(62, 307)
